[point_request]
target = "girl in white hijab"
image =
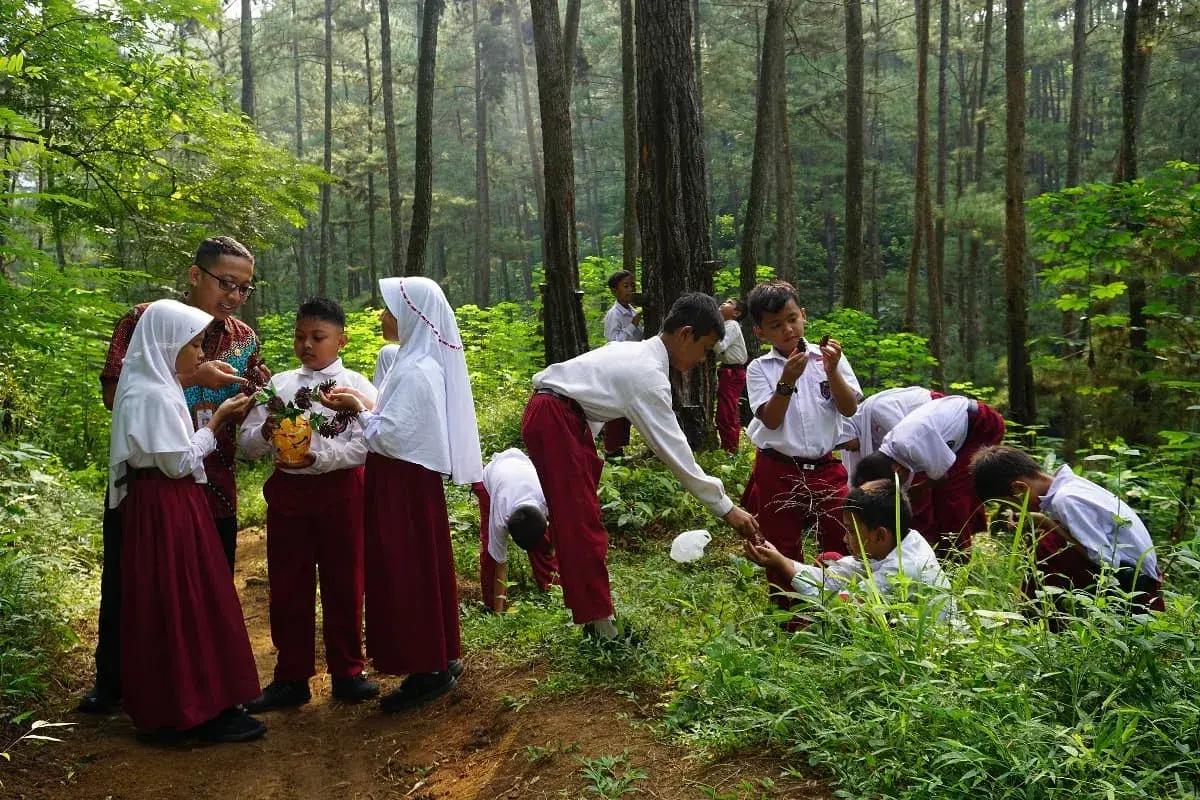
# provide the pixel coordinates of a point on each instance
(186, 662)
(421, 429)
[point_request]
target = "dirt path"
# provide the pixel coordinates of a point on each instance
(472, 744)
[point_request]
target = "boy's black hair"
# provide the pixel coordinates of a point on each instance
(617, 277)
(739, 306)
(699, 311)
(527, 526)
(210, 251)
(770, 297)
(875, 502)
(322, 308)
(995, 468)
(873, 467)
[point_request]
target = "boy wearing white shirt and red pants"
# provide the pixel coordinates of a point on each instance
(622, 323)
(731, 374)
(314, 523)
(800, 393)
(937, 441)
(511, 503)
(622, 379)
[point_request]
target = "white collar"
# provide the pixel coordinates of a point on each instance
(1061, 476)
(331, 370)
(659, 349)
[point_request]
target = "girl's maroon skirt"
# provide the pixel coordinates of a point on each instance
(185, 654)
(412, 595)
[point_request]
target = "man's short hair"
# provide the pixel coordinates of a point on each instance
(995, 468)
(527, 526)
(697, 310)
(770, 297)
(322, 308)
(210, 251)
(875, 503)
(873, 467)
(739, 306)
(617, 277)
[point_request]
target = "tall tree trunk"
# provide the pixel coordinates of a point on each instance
(629, 230)
(1075, 119)
(570, 35)
(973, 253)
(535, 159)
(372, 274)
(301, 235)
(1021, 401)
(327, 161)
(876, 159)
(246, 51)
(483, 221)
(389, 127)
(697, 54)
(672, 206)
(937, 264)
(921, 185)
(423, 147)
(564, 331)
(764, 143)
(785, 186)
(852, 269)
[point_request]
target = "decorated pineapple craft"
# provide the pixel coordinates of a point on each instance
(295, 421)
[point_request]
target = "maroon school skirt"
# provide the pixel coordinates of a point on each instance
(185, 654)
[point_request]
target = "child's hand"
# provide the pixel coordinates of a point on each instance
(213, 375)
(795, 365)
(743, 522)
(765, 555)
(234, 410)
(268, 428)
(343, 398)
(831, 354)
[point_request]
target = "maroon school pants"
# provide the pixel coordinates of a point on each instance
(730, 382)
(545, 565)
(412, 597)
(315, 527)
(560, 445)
(957, 512)
(792, 495)
(616, 435)
(185, 654)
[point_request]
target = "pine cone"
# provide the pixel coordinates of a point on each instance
(304, 398)
(276, 405)
(324, 387)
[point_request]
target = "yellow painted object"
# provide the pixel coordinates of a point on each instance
(292, 440)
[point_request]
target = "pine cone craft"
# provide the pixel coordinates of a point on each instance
(292, 439)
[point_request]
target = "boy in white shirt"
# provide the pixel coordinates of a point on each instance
(800, 393)
(314, 522)
(622, 323)
(931, 450)
(871, 537)
(622, 379)
(731, 374)
(511, 502)
(1082, 527)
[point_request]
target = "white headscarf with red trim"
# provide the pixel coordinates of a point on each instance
(428, 329)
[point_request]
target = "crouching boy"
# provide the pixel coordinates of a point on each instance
(877, 552)
(511, 503)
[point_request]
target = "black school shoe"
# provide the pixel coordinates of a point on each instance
(98, 701)
(455, 667)
(354, 689)
(417, 690)
(280, 694)
(231, 725)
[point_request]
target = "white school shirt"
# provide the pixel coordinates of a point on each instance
(913, 557)
(632, 380)
(731, 349)
(344, 451)
(618, 325)
(928, 439)
(1109, 531)
(812, 425)
(511, 482)
(181, 464)
(875, 418)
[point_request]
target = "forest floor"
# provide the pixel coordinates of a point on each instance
(474, 744)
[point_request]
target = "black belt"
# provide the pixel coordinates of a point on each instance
(571, 402)
(797, 461)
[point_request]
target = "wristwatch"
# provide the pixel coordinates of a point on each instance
(785, 389)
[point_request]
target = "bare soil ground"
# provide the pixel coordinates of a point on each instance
(473, 744)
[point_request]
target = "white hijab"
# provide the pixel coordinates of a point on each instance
(150, 414)
(383, 362)
(877, 415)
(428, 329)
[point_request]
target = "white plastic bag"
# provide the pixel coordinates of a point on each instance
(689, 546)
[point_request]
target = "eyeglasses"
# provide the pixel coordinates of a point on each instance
(227, 285)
